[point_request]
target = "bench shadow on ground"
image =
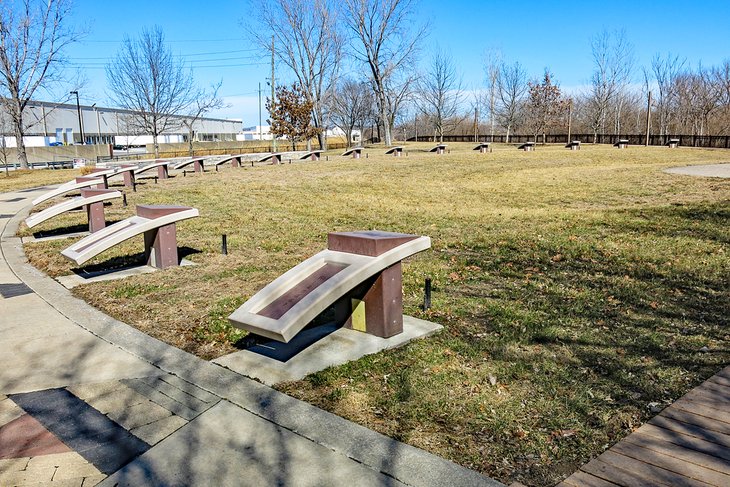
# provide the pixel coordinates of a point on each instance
(67, 230)
(118, 263)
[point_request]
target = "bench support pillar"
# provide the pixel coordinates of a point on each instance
(376, 307)
(95, 213)
(162, 172)
(160, 247)
(199, 166)
(314, 156)
(128, 178)
(236, 162)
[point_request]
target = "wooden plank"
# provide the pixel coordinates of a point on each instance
(708, 401)
(685, 469)
(692, 430)
(685, 454)
(710, 424)
(689, 436)
(718, 379)
(724, 373)
(583, 479)
(701, 408)
(720, 390)
(619, 476)
(648, 471)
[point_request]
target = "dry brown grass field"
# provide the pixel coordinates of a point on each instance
(578, 291)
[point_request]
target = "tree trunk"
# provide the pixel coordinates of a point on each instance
(20, 144)
(191, 134)
(157, 146)
(507, 138)
(386, 125)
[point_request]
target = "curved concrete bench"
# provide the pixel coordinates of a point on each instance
(312, 155)
(160, 235)
(196, 161)
(162, 169)
(439, 149)
(573, 145)
(527, 146)
(88, 198)
(125, 170)
(274, 156)
(397, 151)
(78, 183)
(235, 160)
(621, 144)
(483, 148)
(355, 151)
(285, 306)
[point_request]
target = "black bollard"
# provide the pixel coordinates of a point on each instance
(124, 199)
(134, 186)
(224, 244)
(155, 179)
(427, 294)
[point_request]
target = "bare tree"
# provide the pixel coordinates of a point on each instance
(33, 36)
(145, 78)
(350, 105)
(613, 63)
(491, 69)
(440, 93)
(512, 88)
(308, 41)
(721, 78)
(203, 102)
(386, 39)
(665, 71)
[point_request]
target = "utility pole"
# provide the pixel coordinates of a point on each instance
(78, 112)
(570, 118)
(260, 128)
(476, 125)
(648, 119)
(273, 99)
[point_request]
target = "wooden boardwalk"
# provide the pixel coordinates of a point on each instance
(687, 444)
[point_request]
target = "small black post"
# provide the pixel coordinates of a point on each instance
(185, 173)
(224, 244)
(289, 161)
(367, 155)
(327, 158)
(134, 186)
(155, 179)
(427, 294)
(124, 199)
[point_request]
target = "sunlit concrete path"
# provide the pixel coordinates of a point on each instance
(704, 170)
(85, 399)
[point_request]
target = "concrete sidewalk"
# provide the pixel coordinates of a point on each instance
(85, 399)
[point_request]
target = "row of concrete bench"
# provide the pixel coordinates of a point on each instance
(359, 274)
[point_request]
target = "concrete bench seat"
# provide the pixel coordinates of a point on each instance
(356, 152)
(439, 149)
(527, 146)
(285, 306)
(274, 156)
(162, 166)
(483, 147)
(74, 184)
(621, 144)
(314, 155)
(125, 170)
(236, 160)
(573, 145)
(160, 235)
(93, 199)
(672, 143)
(198, 164)
(397, 151)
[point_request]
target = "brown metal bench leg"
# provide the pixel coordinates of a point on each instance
(162, 172)
(198, 166)
(160, 247)
(382, 315)
(128, 179)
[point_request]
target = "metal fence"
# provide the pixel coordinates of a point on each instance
(710, 141)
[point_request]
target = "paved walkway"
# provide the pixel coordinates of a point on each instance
(687, 444)
(704, 170)
(86, 399)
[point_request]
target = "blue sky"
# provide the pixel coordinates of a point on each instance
(538, 34)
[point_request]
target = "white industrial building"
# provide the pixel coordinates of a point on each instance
(58, 124)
